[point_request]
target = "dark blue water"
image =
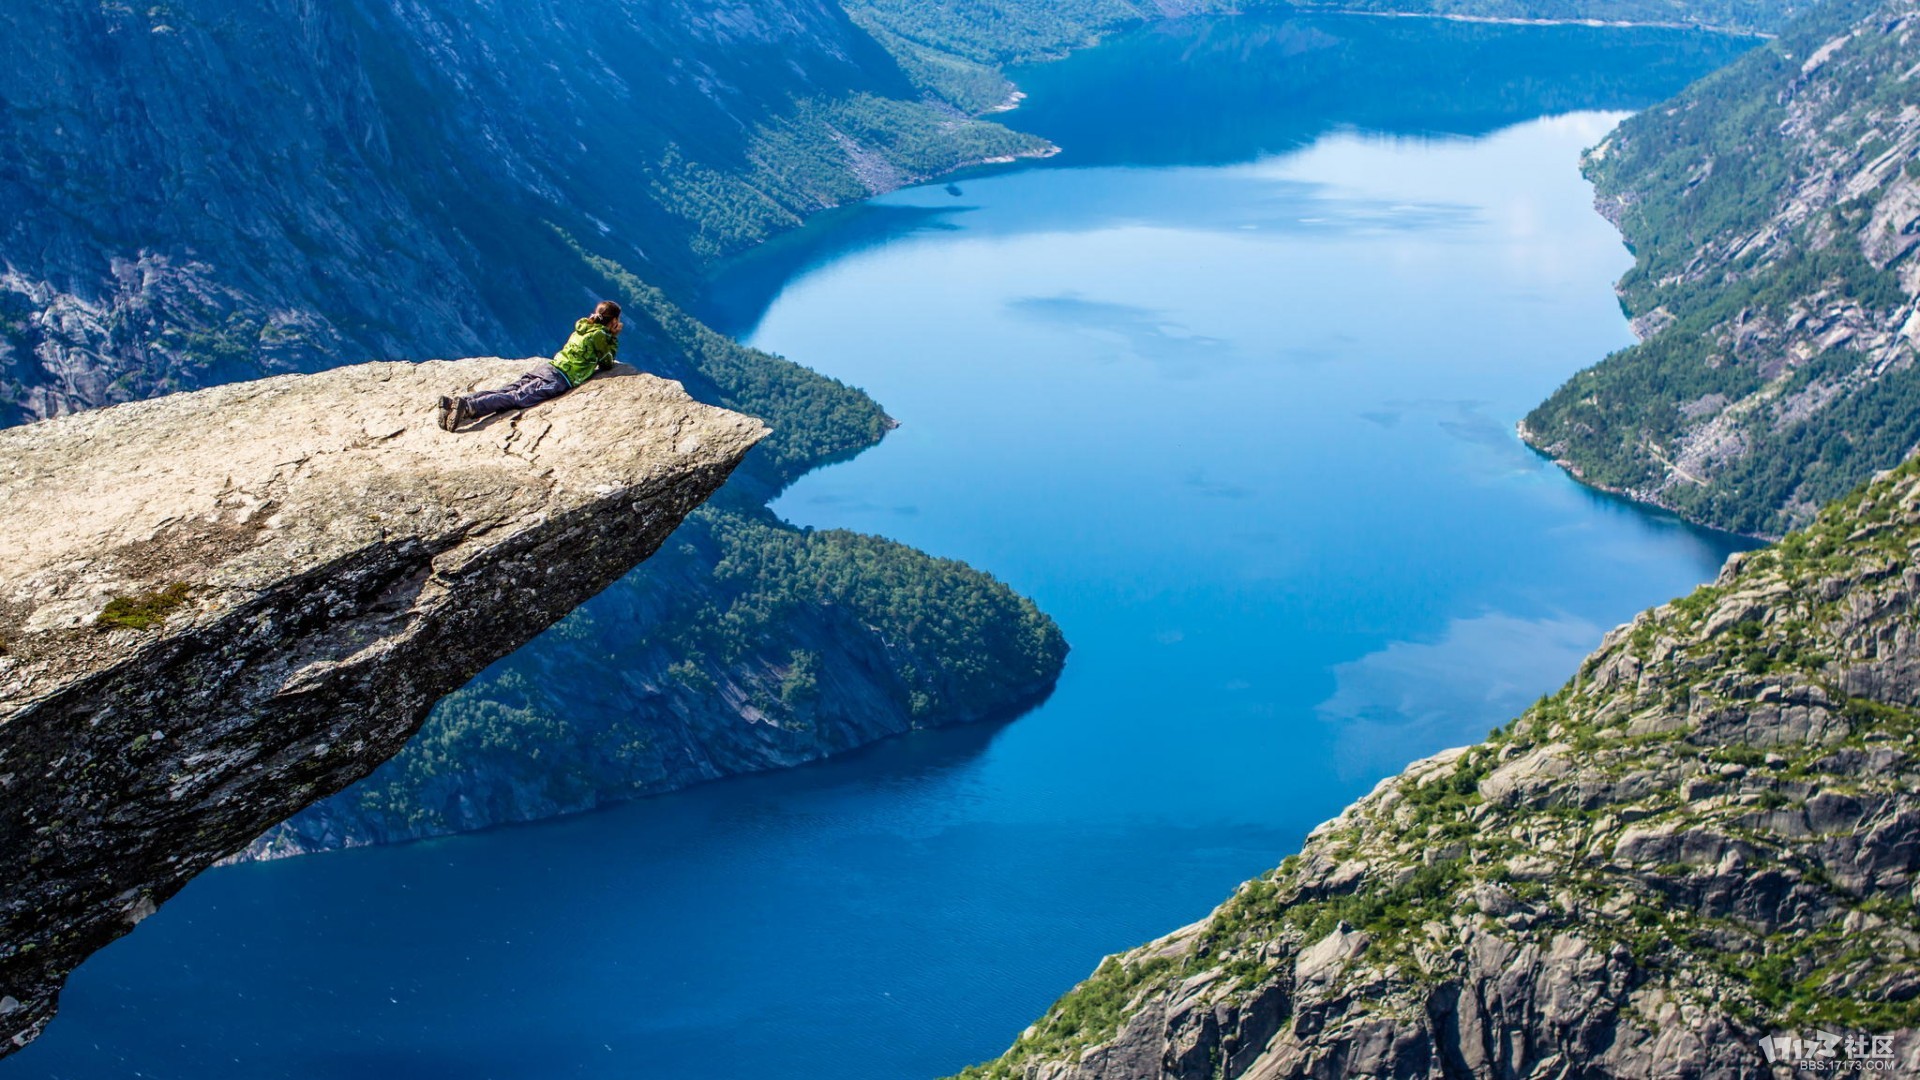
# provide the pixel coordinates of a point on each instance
(1229, 388)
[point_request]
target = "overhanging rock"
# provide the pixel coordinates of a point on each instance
(219, 607)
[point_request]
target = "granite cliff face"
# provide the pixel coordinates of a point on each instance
(222, 606)
(1710, 835)
(1774, 209)
(207, 190)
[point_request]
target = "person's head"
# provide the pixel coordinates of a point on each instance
(607, 314)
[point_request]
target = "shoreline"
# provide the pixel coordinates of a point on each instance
(1500, 20)
(1526, 436)
(1017, 96)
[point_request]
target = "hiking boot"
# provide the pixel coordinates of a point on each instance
(453, 412)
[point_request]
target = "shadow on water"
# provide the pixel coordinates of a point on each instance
(1219, 91)
(1661, 520)
(739, 290)
(1654, 519)
(915, 761)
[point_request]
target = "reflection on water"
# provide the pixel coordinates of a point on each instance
(1136, 332)
(1221, 91)
(1229, 388)
(1427, 694)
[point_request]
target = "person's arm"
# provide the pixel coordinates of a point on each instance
(609, 350)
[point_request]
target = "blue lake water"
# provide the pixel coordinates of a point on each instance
(1229, 387)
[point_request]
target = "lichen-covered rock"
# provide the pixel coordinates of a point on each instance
(218, 607)
(1711, 835)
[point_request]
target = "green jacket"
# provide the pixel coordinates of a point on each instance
(588, 349)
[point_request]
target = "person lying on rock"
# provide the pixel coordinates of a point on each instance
(589, 349)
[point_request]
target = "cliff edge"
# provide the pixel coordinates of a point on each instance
(1709, 838)
(219, 607)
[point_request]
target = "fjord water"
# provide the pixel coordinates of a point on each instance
(1229, 388)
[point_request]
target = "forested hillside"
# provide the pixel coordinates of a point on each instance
(1774, 210)
(204, 191)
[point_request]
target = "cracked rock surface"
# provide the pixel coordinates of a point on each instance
(219, 607)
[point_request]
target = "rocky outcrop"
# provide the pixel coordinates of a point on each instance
(1774, 209)
(221, 606)
(1709, 837)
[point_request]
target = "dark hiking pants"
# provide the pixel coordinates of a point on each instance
(543, 383)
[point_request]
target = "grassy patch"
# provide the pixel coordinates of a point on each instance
(142, 612)
(1088, 1015)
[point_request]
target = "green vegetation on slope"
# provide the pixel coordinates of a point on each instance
(1759, 205)
(142, 612)
(826, 152)
(972, 86)
(746, 609)
(974, 638)
(997, 32)
(1719, 804)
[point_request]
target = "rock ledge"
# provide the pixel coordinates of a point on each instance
(219, 607)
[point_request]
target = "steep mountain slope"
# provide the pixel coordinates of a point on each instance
(1710, 835)
(207, 191)
(1774, 209)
